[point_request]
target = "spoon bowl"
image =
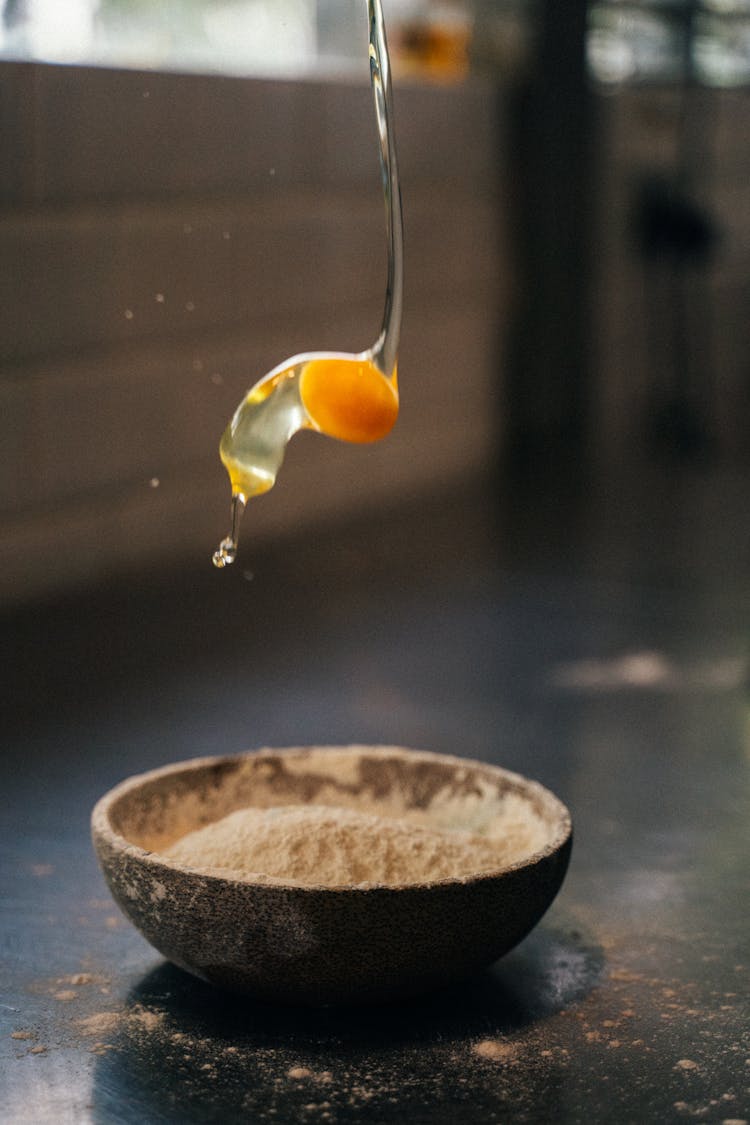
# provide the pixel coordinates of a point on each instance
(315, 944)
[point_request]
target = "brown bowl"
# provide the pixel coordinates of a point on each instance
(322, 944)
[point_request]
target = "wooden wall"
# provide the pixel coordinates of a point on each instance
(166, 239)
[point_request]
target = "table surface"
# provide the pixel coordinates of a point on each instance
(594, 641)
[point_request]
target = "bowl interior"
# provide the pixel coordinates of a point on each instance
(525, 820)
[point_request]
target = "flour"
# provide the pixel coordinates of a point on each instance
(136, 1019)
(332, 846)
(495, 1050)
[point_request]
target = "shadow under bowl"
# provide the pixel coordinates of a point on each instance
(282, 941)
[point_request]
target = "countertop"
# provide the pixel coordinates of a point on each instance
(596, 641)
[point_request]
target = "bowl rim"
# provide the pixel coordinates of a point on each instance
(101, 827)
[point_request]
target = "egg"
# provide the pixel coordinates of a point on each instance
(349, 397)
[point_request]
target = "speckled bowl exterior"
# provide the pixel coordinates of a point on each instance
(316, 944)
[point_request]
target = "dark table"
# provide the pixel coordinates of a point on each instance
(597, 641)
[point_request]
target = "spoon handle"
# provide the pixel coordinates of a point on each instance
(385, 349)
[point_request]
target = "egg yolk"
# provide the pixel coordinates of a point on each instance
(349, 399)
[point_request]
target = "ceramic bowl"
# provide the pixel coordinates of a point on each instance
(320, 944)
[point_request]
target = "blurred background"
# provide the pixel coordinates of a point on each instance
(189, 193)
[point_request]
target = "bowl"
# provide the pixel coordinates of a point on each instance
(314, 944)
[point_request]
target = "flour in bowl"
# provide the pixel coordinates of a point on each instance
(330, 846)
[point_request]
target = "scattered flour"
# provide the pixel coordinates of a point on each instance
(301, 1072)
(331, 846)
(138, 1018)
(495, 1050)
